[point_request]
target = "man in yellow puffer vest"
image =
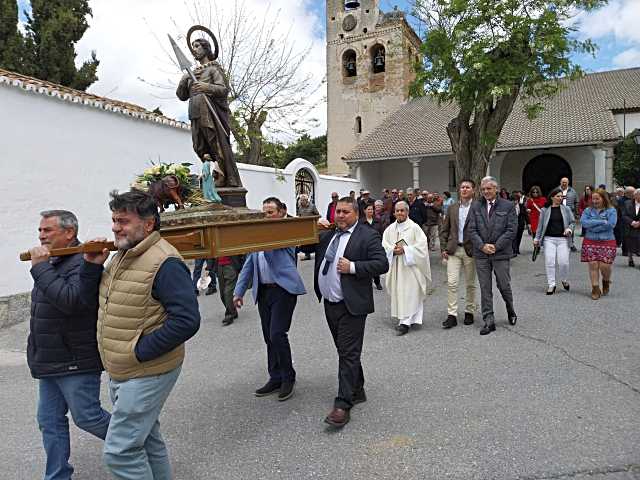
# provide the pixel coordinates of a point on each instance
(147, 310)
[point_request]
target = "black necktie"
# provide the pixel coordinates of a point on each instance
(491, 208)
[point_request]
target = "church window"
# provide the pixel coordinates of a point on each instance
(364, 30)
(358, 124)
(351, 4)
(378, 58)
(349, 64)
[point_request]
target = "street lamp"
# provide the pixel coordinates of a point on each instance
(636, 136)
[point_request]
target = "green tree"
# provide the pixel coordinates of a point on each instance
(311, 149)
(482, 54)
(626, 165)
(53, 29)
(11, 41)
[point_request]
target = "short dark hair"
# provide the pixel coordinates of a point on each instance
(276, 201)
(467, 180)
(350, 201)
(66, 219)
(136, 201)
(447, 194)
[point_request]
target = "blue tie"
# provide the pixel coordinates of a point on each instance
(330, 254)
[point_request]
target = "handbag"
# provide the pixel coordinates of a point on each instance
(536, 252)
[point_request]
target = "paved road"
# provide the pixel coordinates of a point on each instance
(556, 397)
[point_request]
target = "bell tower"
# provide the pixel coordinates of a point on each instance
(370, 67)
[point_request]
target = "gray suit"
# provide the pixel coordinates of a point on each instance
(498, 229)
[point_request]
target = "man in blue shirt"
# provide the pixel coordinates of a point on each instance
(276, 285)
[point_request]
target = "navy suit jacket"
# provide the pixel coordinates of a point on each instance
(282, 263)
(365, 249)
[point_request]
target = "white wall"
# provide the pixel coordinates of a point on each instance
(628, 124)
(61, 155)
(434, 174)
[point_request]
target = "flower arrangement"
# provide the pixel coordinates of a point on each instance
(159, 171)
(189, 191)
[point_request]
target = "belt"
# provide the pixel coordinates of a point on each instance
(269, 285)
(334, 303)
(461, 244)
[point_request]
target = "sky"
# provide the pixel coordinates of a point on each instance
(130, 40)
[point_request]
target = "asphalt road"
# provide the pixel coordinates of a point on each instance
(555, 397)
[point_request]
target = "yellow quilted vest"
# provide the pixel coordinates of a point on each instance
(128, 310)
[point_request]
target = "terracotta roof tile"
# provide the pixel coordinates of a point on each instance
(63, 93)
(581, 113)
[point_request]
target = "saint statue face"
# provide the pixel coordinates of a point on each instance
(201, 50)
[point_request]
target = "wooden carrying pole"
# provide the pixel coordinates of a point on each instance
(90, 247)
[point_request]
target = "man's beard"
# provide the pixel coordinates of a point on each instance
(131, 240)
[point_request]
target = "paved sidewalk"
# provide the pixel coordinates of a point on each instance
(555, 397)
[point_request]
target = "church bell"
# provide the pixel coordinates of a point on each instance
(351, 4)
(378, 61)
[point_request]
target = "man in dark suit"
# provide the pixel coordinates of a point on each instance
(521, 212)
(492, 228)
(346, 262)
(631, 219)
(417, 209)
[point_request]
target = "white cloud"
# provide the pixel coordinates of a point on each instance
(130, 39)
(619, 18)
(628, 58)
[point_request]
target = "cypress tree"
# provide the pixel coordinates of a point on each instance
(11, 41)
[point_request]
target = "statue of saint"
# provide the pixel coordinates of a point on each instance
(210, 135)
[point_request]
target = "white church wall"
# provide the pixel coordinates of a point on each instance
(434, 174)
(627, 123)
(62, 155)
(580, 159)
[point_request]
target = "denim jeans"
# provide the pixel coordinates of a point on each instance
(134, 448)
(79, 394)
(197, 272)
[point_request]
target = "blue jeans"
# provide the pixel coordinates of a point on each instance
(79, 394)
(134, 448)
(197, 272)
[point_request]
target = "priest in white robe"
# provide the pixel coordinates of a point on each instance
(409, 274)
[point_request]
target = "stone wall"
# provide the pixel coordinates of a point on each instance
(14, 309)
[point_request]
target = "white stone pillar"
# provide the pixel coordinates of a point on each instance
(599, 166)
(415, 163)
(354, 170)
(609, 155)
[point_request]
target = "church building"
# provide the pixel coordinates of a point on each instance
(379, 135)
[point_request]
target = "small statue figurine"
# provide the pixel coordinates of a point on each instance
(208, 180)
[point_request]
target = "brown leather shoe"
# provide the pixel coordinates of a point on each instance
(595, 292)
(338, 417)
(606, 285)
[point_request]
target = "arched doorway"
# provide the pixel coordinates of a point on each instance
(305, 184)
(545, 171)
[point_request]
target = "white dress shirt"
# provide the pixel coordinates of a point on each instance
(264, 272)
(329, 284)
(463, 212)
(637, 208)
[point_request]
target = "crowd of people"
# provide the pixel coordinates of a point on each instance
(131, 315)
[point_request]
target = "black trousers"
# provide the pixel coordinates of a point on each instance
(276, 306)
(348, 334)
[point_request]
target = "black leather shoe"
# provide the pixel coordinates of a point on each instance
(573, 248)
(378, 287)
(227, 321)
(550, 291)
(566, 286)
(468, 318)
(197, 293)
(402, 330)
(631, 262)
(268, 388)
(487, 329)
(359, 397)
(286, 391)
(450, 322)
(513, 318)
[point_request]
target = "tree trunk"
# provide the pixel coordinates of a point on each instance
(473, 143)
(254, 132)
